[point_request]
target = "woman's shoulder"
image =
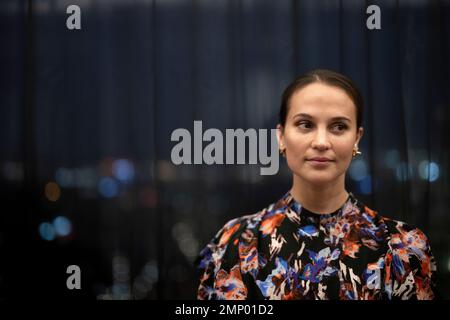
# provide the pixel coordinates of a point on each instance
(234, 228)
(398, 233)
(223, 246)
(403, 234)
(408, 257)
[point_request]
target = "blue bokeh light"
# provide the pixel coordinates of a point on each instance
(123, 170)
(46, 231)
(64, 177)
(429, 171)
(62, 226)
(365, 185)
(392, 158)
(108, 187)
(358, 170)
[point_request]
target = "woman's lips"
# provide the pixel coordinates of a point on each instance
(319, 163)
(319, 159)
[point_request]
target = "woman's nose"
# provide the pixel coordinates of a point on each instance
(320, 140)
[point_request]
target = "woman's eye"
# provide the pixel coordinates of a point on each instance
(336, 127)
(304, 125)
(340, 127)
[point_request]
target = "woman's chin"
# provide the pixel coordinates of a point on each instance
(319, 178)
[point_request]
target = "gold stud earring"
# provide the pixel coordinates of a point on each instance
(356, 152)
(283, 152)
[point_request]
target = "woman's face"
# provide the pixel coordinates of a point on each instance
(321, 123)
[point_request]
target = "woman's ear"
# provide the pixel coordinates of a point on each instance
(280, 136)
(359, 135)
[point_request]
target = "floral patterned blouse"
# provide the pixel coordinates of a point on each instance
(287, 252)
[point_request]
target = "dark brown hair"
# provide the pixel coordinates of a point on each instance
(327, 77)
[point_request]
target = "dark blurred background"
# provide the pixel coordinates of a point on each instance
(86, 117)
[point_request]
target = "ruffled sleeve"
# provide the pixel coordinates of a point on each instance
(410, 265)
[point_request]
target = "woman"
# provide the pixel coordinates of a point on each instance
(318, 241)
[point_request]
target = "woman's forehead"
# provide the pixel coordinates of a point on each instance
(321, 101)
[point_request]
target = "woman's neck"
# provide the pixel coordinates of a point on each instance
(322, 199)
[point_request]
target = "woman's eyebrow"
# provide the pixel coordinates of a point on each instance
(308, 116)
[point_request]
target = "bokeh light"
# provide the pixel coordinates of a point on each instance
(365, 185)
(144, 282)
(121, 269)
(121, 277)
(108, 187)
(123, 170)
(150, 271)
(47, 231)
(105, 167)
(358, 170)
(187, 243)
(13, 171)
(62, 226)
(85, 178)
(166, 171)
(429, 171)
(64, 177)
(392, 158)
(52, 191)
